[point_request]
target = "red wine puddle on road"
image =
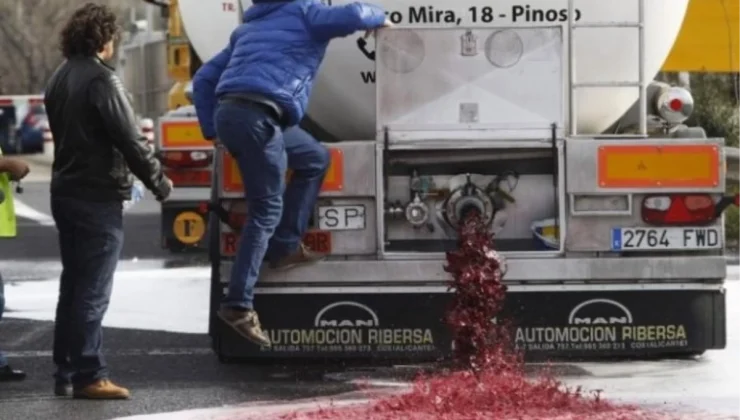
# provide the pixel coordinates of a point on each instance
(491, 384)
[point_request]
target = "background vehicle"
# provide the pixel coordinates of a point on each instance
(157, 69)
(32, 127)
(24, 124)
(593, 224)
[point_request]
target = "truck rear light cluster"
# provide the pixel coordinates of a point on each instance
(186, 159)
(234, 214)
(679, 209)
(189, 177)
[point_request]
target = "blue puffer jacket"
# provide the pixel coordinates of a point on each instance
(276, 53)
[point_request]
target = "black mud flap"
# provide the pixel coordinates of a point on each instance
(547, 325)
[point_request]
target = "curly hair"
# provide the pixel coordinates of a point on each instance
(88, 30)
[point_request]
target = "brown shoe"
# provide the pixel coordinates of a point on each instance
(102, 389)
(246, 324)
(303, 255)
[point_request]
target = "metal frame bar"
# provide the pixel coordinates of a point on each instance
(641, 83)
(515, 288)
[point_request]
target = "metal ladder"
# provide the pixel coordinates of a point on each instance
(574, 85)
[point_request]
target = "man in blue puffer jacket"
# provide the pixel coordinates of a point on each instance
(247, 95)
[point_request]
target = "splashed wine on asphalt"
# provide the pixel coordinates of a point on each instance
(490, 382)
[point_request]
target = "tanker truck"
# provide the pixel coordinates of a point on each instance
(543, 117)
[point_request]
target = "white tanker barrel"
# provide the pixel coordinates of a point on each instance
(343, 100)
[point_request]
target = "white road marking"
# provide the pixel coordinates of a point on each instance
(273, 409)
(27, 212)
(30, 354)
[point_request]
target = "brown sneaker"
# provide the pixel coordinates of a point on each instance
(102, 390)
(246, 324)
(303, 255)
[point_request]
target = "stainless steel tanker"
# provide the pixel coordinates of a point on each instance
(345, 81)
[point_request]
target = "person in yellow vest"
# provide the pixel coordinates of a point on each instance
(10, 170)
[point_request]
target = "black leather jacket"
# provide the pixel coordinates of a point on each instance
(97, 142)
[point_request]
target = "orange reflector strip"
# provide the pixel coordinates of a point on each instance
(333, 181)
(675, 166)
(183, 134)
(316, 240)
(189, 177)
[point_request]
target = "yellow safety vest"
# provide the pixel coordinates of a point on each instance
(7, 209)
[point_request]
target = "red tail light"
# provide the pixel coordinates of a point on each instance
(189, 177)
(186, 159)
(237, 220)
(679, 209)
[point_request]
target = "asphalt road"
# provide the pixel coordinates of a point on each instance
(165, 371)
(169, 371)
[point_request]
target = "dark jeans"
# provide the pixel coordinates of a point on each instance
(3, 360)
(278, 216)
(90, 242)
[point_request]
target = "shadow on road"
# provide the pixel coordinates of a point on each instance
(165, 371)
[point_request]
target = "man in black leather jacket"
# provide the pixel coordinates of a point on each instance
(97, 146)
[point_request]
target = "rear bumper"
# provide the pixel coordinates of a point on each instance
(519, 270)
(408, 325)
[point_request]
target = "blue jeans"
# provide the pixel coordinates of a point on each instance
(90, 242)
(277, 216)
(3, 360)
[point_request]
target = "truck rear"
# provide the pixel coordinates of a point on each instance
(187, 159)
(613, 243)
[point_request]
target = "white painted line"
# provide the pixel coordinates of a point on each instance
(27, 212)
(259, 411)
(119, 353)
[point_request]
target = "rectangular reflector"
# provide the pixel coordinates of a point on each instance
(316, 240)
(333, 181)
(675, 166)
(183, 134)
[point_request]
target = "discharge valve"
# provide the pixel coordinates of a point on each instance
(417, 212)
(467, 200)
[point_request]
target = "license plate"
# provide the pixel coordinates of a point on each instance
(341, 217)
(652, 239)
